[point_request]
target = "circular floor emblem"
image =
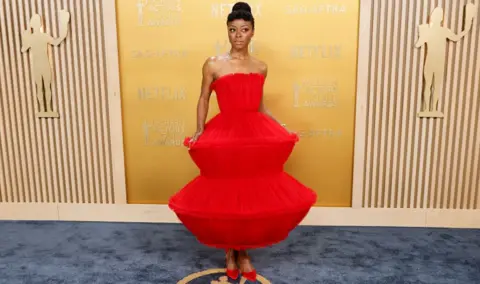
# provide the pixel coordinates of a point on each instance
(217, 276)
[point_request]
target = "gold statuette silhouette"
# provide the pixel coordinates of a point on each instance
(434, 35)
(35, 40)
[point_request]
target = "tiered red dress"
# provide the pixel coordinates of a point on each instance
(242, 198)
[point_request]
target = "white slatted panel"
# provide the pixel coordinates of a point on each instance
(65, 160)
(403, 161)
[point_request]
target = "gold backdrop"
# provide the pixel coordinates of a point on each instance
(310, 47)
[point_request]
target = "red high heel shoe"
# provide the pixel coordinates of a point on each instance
(231, 273)
(250, 275)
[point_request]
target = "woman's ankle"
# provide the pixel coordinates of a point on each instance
(245, 261)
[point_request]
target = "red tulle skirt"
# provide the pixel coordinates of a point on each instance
(242, 198)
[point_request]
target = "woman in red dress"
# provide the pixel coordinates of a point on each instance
(242, 198)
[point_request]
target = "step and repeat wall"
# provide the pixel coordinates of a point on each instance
(96, 98)
(310, 48)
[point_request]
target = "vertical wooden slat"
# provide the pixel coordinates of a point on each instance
(69, 159)
(4, 176)
(425, 138)
(25, 102)
(12, 137)
(49, 125)
(39, 144)
(385, 85)
(390, 166)
(376, 191)
(87, 99)
(9, 161)
(408, 161)
(32, 108)
(446, 109)
(107, 10)
(427, 146)
(402, 181)
(455, 25)
(19, 125)
(96, 17)
(67, 64)
(79, 60)
(54, 127)
(414, 102)
(461, 125)
(431, 202)
(469, 123)
(422, 126)
(59, 145)
(457, 182)
(94, 102)
(396, 187)
(422, 132)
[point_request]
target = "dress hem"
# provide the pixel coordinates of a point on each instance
(228, 216)
(293, 138)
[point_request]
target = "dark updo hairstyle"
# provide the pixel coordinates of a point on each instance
(241, 11)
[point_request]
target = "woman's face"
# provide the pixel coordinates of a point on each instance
(240, 33)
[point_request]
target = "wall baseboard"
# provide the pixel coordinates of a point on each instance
(318, 216)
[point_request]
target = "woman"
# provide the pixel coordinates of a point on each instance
(242, 198)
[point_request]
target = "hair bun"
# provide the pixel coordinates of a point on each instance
(242, 6)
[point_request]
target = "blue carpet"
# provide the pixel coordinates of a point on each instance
(83, 252)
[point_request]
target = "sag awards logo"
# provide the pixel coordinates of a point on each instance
(316, 51)
(217, 276)
(167, 132)
(156, 13)
(320, 133)
(221, 10)
(315, 94)
(162, 93)
(303, 9)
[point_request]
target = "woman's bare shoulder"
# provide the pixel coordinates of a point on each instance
(212, 64)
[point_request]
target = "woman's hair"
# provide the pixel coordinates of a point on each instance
(241, 11)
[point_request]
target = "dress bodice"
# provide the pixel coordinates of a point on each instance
(239, 92)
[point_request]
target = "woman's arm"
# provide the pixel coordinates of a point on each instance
(204, 99)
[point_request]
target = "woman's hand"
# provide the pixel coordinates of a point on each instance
(194, 138)
(288, 130)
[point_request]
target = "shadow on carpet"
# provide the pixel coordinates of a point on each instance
(137, 253)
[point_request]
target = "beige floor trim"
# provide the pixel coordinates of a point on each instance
(318, 216)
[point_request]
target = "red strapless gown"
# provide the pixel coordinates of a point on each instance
(242, 198)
